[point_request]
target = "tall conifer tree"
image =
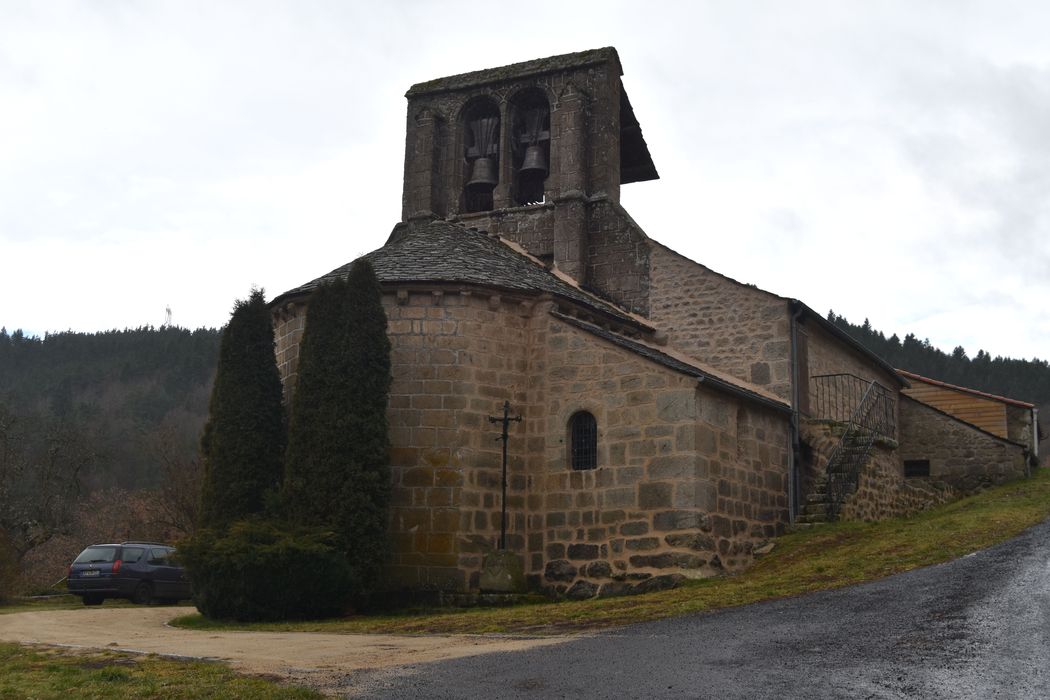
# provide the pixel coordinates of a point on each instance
(337, 473)
(244, 439)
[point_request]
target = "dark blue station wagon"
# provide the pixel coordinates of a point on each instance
(142, 572)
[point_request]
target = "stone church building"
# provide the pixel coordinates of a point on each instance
(673, 420)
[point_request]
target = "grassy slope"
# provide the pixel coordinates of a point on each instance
(60, 673)
(820, 558)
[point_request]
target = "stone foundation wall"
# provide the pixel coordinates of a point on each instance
(730, 326)
(882, 490)
(959, 454)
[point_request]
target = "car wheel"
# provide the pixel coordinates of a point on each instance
(143, 594)
(93, 600)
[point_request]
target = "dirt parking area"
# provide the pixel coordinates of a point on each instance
(324, 661)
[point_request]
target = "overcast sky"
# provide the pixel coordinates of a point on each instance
(888, 160)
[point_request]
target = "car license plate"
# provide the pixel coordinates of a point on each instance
(90, 572)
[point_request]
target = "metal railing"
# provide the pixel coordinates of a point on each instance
(838, 397)
(853, 450)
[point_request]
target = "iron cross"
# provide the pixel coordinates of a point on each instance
(505, 419)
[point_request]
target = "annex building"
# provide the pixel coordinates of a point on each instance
(673, 420)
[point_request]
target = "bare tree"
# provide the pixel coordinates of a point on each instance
(41, 464)
(178, 499)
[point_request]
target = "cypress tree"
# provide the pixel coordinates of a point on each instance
(337, 471)
(244, 439)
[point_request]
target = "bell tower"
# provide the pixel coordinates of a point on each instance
(529, 151)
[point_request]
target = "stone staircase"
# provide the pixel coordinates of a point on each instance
(839, 479)
(815, 509)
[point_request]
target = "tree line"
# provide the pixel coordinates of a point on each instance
(129, 393)
(1025, 380)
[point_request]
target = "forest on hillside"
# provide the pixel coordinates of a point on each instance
(1025, 380)
(99, 435)
(124, 395)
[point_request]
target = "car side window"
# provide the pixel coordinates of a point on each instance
(133, 554)
(158, 557)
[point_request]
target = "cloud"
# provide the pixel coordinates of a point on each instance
(887, 160)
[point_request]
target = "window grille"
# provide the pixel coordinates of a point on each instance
(583, 437)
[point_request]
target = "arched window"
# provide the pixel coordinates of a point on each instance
(531, 146)
(481, 153)
(583, 440)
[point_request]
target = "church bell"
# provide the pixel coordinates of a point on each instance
(534, 162)
(483, 176)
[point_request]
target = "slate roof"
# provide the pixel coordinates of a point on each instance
(537, 66)
(704, 376)
(442, 251)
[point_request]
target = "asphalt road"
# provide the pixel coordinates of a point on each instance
(978, 627)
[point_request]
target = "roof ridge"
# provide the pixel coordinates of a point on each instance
(516, 70)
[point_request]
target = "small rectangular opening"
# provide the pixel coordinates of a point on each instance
(916, 467)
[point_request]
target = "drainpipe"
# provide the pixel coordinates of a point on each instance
(1034, 459)
(794, 482)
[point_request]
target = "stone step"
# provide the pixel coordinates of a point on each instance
(815, 509)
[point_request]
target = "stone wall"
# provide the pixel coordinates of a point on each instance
(618, 256)
(584, 137)
(829, 355)
(882, 491)
(455, 358)
(688, 480)
(1019, 425)
(730, 326)
(616, 251)
(960, 454)
(288, 324)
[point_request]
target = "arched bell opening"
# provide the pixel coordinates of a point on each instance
(531, 146)
(481, 154)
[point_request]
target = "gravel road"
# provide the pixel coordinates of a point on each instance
(319, 660)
